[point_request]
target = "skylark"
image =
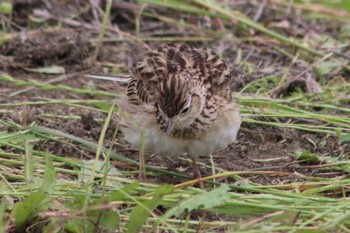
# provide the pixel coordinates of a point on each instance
(179, 100)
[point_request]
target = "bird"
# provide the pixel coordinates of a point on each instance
(178, 101)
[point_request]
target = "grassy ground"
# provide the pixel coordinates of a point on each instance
(64, 167)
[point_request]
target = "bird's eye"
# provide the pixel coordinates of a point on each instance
(184, 110)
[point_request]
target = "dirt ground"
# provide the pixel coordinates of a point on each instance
(257, 148)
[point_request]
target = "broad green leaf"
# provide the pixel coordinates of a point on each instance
(77, 202)
(346, 167)
(306, 156)
(107, 220)
(86, 169)
(95, 221)
(207, 200)
(77, 225)
(345, 138)
(24, 212)
(6, 8)
(49, 180)
(313, 158)
(325, 67)
(85, 172)
(17, 138)
(48, 70)
(90, 86)
(241, 208)
(143, 210)
(345, 5)
(104, 105)
(344, 31)
(261, 84)
(3, 205)
(122, 193)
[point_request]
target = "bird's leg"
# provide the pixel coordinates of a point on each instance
(197, 173)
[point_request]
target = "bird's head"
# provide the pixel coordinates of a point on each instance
(178, 101)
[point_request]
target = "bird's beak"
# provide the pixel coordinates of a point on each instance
(170, 126)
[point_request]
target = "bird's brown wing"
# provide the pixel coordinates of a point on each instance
(170, 59)
(218, 74)
(155, 67)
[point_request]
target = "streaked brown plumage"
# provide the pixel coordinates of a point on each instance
(180, 99)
